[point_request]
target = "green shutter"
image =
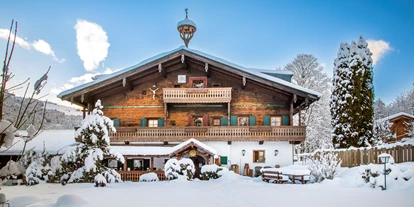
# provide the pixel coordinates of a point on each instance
(224, 121)
(117, 122)
(160, 122)
(285, 120)
(143, 122)
(233, 120)
(252, 121)
(266, 121)
(223, 160)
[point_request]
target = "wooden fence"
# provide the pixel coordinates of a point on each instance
(134, 175)
(356, 157)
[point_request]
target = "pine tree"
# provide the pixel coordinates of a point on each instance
(87, 157)
(380, 110)
(352, 96)
(341, 97)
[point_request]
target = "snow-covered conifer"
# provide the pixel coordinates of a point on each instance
(87, 157)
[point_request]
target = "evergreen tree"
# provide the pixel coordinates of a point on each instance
(86, 158)
(341, 97)
(352, 96)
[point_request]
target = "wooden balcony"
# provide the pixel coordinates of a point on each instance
(197, 95)
(219, 133)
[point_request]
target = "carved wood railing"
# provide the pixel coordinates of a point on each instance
(134, 175)
(197, 95)
(219, 133)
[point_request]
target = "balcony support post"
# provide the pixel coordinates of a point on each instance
(125, 163)
(300, 109)
(228, 114)
(291, 113)
(165, 114)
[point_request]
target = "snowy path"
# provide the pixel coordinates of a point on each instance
(237, 191)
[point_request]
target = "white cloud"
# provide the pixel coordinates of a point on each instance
(82, 79)
(44, 47)
(378, 48)
(92, 44)
(39, 45)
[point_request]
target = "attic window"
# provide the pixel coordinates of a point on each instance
(177, 85)
(216, 84)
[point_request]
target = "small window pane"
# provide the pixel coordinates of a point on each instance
(276, 121)
(243, 121)
(198, 121)
(153, 123)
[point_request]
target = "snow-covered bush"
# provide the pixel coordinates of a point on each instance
(374, 174)
(84, 162)
(41, 167)
(148, 177)
(8, 129)
(324, 165)
(175, 168)
(100, 180)
(212, 171)
(12, 170)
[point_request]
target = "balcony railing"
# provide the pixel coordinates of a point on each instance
(197, 95)
(220, 133)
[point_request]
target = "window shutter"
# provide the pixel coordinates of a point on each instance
(190, 120)
(143, 122)
(233, 121)
(285, 120)
(117, 122)
(160, 122)
(205, 120)
(223, 160)
(252, 121)
(224, 121)
(266, 121)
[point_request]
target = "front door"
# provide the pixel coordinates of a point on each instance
(198, 163)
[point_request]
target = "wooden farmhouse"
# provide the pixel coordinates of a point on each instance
(400, 125)
(186, 103)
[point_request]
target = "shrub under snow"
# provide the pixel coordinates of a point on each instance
(148, 177)
(8, 129)
(212, 171)
(324, 165)
(175, 168)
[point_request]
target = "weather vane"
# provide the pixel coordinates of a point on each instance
(186, 28)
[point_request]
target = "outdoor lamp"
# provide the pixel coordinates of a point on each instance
(276, 152)
(243, 152)
(384, 157)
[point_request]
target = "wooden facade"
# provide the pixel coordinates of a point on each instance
(185, 95)
(400, 126)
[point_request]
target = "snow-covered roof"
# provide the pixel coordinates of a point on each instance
(282, 72)
(59, 141)
(142, 150)
(395, 116)
(148, 150)
(197, 143)
(254, 72)
(54, 141)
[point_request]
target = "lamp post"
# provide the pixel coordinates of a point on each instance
(384, 157)
(243, 153)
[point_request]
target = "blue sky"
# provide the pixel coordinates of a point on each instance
(257, 34)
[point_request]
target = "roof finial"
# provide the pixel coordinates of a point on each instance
(186, 28)
(186, 13)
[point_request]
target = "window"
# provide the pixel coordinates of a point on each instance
(112, 163)
(198, 84)
(259, 156)
(216, 122)
(275, 121)
(152, 122)
(198, 121)
(243, 121)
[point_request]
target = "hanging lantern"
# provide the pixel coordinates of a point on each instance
(193, 153)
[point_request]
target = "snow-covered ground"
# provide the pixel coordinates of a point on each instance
(348, 189)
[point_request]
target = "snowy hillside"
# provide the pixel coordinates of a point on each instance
(57, 117)
(67, 110)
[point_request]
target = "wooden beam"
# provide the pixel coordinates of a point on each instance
(152, 163)
(300, 109)
(291, 113)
